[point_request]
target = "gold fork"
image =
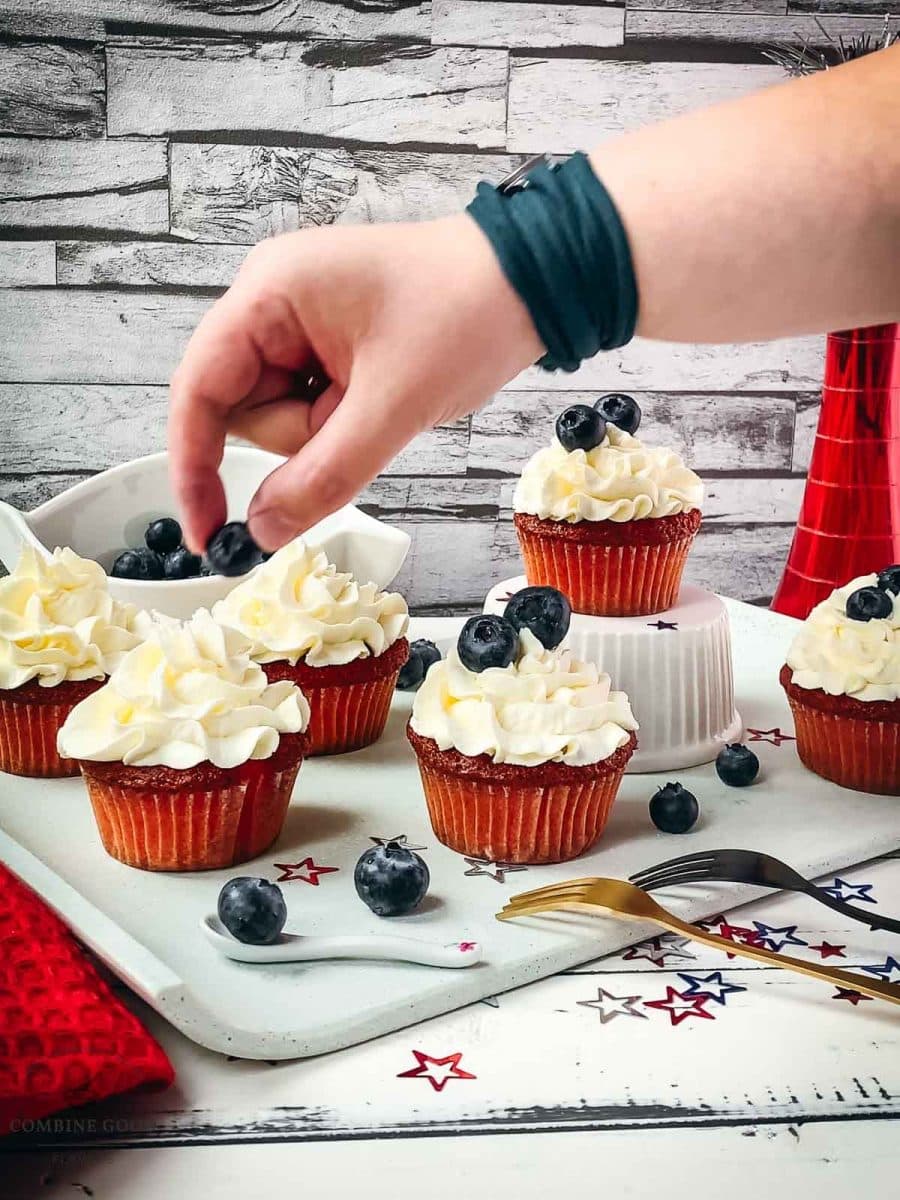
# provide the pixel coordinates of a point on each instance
(629, 901)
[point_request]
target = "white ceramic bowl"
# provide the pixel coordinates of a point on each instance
(102, 515)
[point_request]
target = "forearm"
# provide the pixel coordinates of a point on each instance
(772, 215)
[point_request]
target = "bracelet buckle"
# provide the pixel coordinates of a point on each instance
(516, 180)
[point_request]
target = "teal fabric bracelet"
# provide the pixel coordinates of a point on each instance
(562, 246)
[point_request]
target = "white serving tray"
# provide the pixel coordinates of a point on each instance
(146, 926)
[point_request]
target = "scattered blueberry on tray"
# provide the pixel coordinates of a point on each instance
(422, 654)
(737, 765)
(674, 809)
(543, 610)
(391, 880)
(232, 550)
(252, 910)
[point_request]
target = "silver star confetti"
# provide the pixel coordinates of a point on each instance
(609, 1006)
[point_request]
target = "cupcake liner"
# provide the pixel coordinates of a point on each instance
(508, 819)
(156, 820)
(604, 579)
(30, 719)
(348, 704)
(848, 747)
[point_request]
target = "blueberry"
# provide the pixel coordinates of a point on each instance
(252, 910)
(889, 579)
(737, 765)
(391, 880)
(206, 568)
(543, 610)
(422, 654)
(232, 551)
(163, 535)
(138, 564)
(674, 809)
(621, 410)
(181, 564)
(868, 604)
(580, 428)
(487, 641)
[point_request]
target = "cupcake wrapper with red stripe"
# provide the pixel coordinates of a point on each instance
(604, 579)
(855, 752)
(183, 829)
(508, 818)
(29, 723)
(349, 704)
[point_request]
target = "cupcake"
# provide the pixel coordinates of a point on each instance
(189, 754)
(604, 518)
(341, 641)
(521, 748)
(61, 634)
(842, 679)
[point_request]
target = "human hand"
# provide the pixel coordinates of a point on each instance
(412, 324)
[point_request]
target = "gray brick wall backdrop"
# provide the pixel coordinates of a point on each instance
(144, 144)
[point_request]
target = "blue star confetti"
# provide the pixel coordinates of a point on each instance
(776, 939)
(842, 889)
(889, 970)
(713, 986)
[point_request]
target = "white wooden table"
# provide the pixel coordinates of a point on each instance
(618, 1074)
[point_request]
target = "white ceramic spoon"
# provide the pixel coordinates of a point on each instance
(292, 947)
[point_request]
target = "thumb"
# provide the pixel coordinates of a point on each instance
(355, 443)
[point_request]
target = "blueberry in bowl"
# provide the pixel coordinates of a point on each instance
(142, 564)
(391, 880)
(232, 551)
(163, 535)
(544, 611)
(180, 563)
(422, 654)
(487, 641)
(252, 910)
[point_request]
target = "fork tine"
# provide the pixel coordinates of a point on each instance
(527, 910)
(688, 875)
(702, 856)
(549, 888)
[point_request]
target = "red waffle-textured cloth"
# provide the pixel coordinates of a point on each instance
(65, 1039)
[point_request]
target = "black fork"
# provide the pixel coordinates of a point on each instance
(749, 866)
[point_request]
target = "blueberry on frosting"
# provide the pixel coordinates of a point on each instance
(580, 428)
(543, 610)
(620, 410)
(487, 641)
(869, 604)
(889, 579)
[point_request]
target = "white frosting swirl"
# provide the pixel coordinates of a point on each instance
(845, 657)
(58, 621)
(547, 707)
(298, 605)
(619, 480)
(187, 695)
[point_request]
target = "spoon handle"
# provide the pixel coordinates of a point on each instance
(393, 949)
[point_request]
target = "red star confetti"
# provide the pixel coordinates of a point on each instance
(307, 871)
(826, 950)
(850, 995)
(438, 1071)
(739, 934)
(680, 1006)
(773, 736)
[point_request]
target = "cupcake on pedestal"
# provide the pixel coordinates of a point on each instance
(189, 754)
(604, 518)
(61, 634)
(341, 641)
(842, 679)
(521, 747)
